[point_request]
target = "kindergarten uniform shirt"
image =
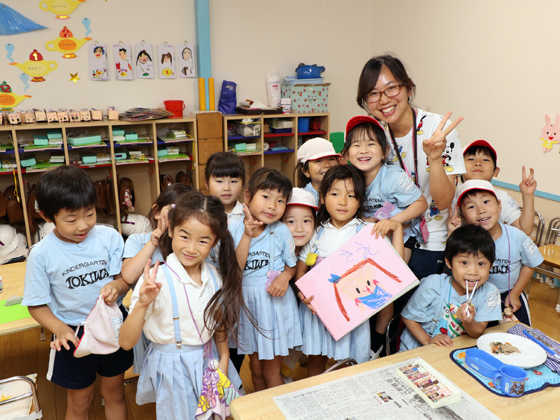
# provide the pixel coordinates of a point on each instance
(136, 242)
(257, 264)
(158, 325)
(424, 307)
(331, 239)
(68, 276)
(453, 163)
(236, 213)
(511, 255)
(309, 188)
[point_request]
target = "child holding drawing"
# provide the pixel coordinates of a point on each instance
(342, 194)
(446, 306)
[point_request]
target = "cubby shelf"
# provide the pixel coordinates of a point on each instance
(145, 174)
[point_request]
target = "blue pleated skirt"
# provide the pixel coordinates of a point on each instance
(276, 316)
(172, 378)
(317, 340)
(139, 350)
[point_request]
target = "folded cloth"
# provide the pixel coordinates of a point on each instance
(553, 364)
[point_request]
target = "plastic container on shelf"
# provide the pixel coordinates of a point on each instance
(176, 107)
(293, 80)
(303, 124)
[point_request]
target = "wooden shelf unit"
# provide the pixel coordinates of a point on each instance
(283, 160)
(145, 174)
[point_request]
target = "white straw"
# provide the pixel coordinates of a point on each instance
(472, 294)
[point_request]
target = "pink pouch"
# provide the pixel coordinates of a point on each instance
(424, 229)
(101, 330)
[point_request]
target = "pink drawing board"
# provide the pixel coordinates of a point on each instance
(361, 277)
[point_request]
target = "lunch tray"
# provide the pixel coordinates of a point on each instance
(538, 378)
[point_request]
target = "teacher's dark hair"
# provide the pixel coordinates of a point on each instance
(370, 74)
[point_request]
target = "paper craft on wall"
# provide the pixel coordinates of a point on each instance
(10, 49)
(61, 8)
(145, 68)
(36, 66)
(66, 43)
(12, 22)
(356, 281)
(97, 54)
(8, 99)
(86, 22)
(166, 61)
(187, 66)
(123, 68)
(550, 134)
(24, 78)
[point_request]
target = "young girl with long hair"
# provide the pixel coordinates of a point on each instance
(265, 252)
(342, 196)
(186, 308)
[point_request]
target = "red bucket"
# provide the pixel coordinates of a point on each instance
(176, 107)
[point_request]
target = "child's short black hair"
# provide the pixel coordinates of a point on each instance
(371, 131)
(340, 173)
(472, 151)
(224, 164)
(66, 187)
(270, 179)
(470, 239)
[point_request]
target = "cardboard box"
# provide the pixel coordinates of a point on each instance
(85, 115)
(208, 147)
(63, 116)
(74, 115)
(40, 115)
(308, 99)
(96, 114)
(27, 117)
(14, 118)
(112, 114)
(209, 125)
(52, 116)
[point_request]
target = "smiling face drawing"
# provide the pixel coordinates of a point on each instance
(361, 284)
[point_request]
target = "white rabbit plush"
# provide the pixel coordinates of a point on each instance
(550, 133)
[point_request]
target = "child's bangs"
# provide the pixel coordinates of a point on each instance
(227, 171)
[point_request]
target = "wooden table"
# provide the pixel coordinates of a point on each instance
(551, 255)
(13, 277)
(542, 405)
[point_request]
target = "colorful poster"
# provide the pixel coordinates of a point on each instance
(166, 61)
(187, 65)
(123, 68)
(361, 277)
(143, 60)
(97, 55)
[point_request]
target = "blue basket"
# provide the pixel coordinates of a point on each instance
(303, 124)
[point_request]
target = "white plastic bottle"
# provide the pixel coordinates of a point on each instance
(273, 88)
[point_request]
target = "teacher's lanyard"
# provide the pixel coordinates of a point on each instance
(414, 148)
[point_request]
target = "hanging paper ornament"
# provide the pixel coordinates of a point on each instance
(86, 22)
(97, 54)
(166, 61)
(144, 62)
(187, 66)
(10, 48)
(66, 43)
(36, 67)
(8, 99)
(123, 68)
(12, 22)
(61, 8)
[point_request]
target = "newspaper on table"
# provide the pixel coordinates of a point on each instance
(378, 393)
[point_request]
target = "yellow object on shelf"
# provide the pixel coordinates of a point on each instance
(212, 106)
(201, 94)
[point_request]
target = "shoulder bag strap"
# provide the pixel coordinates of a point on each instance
(176, 324)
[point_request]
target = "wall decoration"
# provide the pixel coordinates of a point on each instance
(61, 8)
(36, 67)
(123, 68)
(166, 61)
(550, 134)
(145, 67)
(86, 22)
(24, 78)
(187, 66)
(8, 99)
(66, 43)
(10, 48)
(97, 54)
(74, 78)
(12, 22)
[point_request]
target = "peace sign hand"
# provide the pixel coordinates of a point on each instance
(251, 225)
(454, 220)
(435, 146)
(528, 184)
(161, 227)
(149, 289)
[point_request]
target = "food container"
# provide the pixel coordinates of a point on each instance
(304, 71)
(482, 363)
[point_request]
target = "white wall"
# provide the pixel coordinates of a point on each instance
(130, 21)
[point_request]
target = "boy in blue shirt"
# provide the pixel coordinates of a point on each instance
(445, 306)
(66, 272)
(516, 253)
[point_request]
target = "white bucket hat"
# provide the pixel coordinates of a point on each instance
(314, 149)
(302, 198)
(474, 184)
